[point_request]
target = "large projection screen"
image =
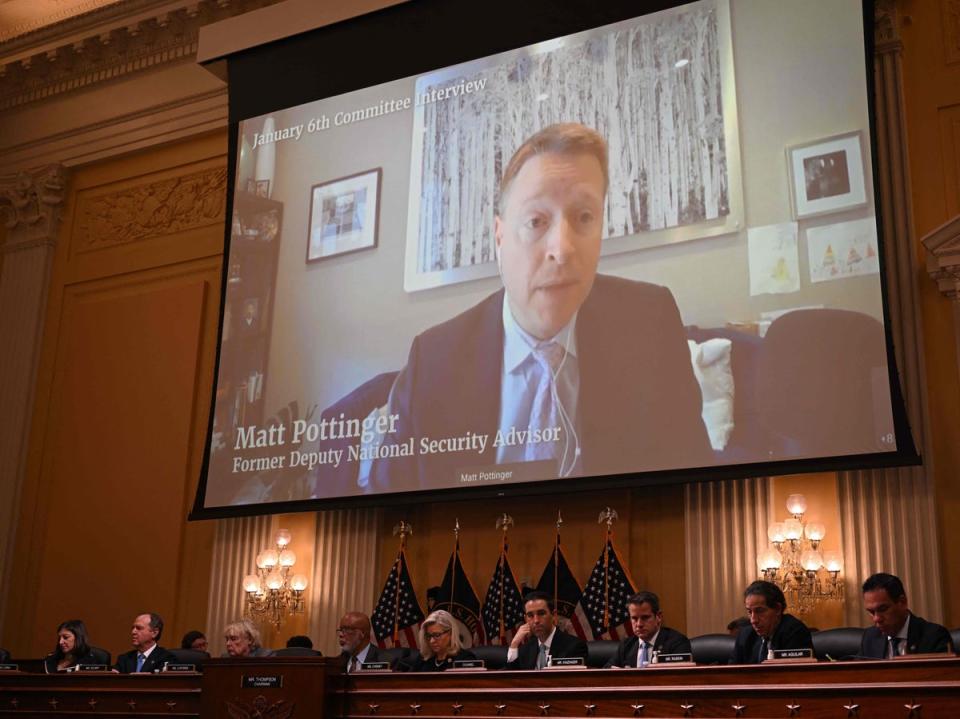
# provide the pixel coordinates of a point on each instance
(680, 279)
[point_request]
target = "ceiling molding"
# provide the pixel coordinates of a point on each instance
(106, 44)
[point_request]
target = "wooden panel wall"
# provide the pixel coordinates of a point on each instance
(122, 401)
(931, 60)
(649, 536)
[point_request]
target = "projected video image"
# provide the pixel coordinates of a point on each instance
(612, 253)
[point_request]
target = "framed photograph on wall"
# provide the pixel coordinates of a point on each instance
(344, 215)
(827, 175)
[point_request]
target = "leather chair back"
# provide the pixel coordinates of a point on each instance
(297, 652)
(955, 640)
(599, 652)
(494, 656)
(837, 643)
(712, 648)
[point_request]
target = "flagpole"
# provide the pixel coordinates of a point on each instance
(453, 565)
(608, 515)
(556, 564)
(402, 529)
(503, 523)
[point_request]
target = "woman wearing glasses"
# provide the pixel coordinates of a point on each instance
(439, 644)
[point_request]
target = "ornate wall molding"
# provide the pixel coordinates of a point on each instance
(31, 203)
(153, 209)
(886, 29)
(943, 258)
(107, 44)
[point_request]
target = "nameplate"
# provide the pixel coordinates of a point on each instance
(171, 667)
(468, 665)
(262, 681)
(375, 667)
(92, 668)
(9, 667)
(565, 662)
(686, 658)
(792, 655)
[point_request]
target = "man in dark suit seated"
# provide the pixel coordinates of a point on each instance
(538, 641)
(896, 630)
(770, 627)
(650, 638)
(564, 371)
(146, 655)
(353, 634)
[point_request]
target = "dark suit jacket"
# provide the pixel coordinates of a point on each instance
(430, 665)
(93, 656)
(373, 655)
(127, 663)
(790, 634)
(669, 641)
(923, 637)
(639, 403)
(563, 645)
(4, 656)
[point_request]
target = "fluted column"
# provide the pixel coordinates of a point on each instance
(886, 513)
(726, 526)
(344, 573)
(30, 208)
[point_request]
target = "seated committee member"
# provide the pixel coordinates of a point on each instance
(243, 640)
(73, 648)
(146, 655)
(353, 635)
(770, 627)
(300, 641)
(197, 641)
(896, 630)
(583, 373)
(439, 644)
(4, 656)
(538, 640)
(650, 637)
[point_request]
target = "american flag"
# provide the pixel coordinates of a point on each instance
(503, 605)
(602, 609)
(558, 581)
(396, 620)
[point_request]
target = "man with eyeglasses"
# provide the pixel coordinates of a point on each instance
(896, 630)
(537, 641)
(353, 634)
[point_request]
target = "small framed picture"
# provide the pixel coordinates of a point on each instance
(827, 175)
(344, 215)
(252, 187)
(263, 188)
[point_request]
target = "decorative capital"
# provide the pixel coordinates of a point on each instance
(943, 257)
(886, 26)
(30, 206)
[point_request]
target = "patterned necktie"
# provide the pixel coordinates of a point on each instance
(642, 656)
(141, 658)
(354, 664)
(544, 413)
(542, 657)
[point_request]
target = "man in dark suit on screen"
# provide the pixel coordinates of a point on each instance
(896, 630)
(770, 626)
(146, 655)
(539, 641)
(650, 638)
(563, 372)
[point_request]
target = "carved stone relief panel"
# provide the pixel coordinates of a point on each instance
(154, 209)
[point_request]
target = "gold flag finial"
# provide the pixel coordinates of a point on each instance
(609, 516)
(559, 521)
(456, 528)
(504, 522)
(403, 529)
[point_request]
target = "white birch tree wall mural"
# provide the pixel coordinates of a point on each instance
(651, 86)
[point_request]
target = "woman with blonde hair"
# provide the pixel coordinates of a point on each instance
(439, 644)
(243, 640)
